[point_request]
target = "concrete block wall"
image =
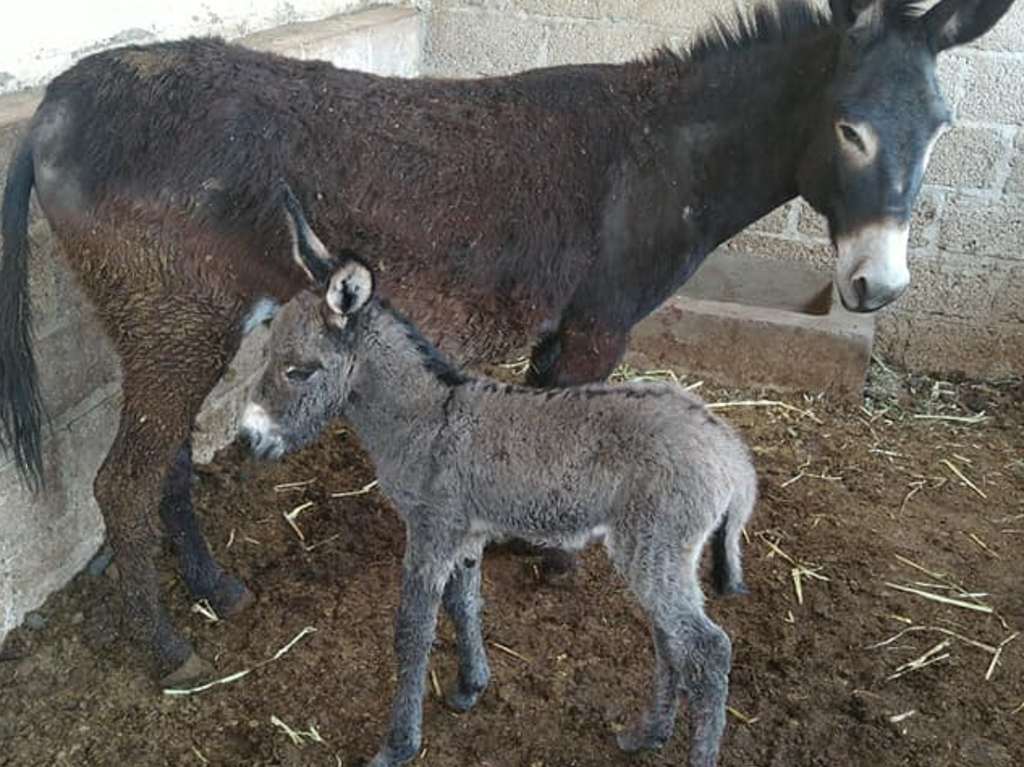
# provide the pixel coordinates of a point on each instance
(965, 309)
(46, 539)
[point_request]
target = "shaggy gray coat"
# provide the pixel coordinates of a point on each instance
(643, 466)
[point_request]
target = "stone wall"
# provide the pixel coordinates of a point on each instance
(46, 539)
(965, 310)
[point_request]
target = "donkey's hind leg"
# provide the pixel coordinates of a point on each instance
(693, 655)
(127, 488)
(462, 603)
(202, 574)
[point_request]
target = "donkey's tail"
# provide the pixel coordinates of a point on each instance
(21, 409)
(726, 558)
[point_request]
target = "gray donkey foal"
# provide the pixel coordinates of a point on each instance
(465, 460)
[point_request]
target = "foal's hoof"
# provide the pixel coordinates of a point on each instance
(193, 669)
(461, 701)
(230, 597)
(631, 741)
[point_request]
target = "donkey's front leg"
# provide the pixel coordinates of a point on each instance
(203, 575)
(422, 586)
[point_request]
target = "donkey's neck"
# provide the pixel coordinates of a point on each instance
(732, 127)
(399, 388)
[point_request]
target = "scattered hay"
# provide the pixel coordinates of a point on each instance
(509, 651)
(298, 737)
(364, 490)
(290, 517)
(897, 718)
(288, 486)
(180, 691)
(944, 600)
(204, 608)
(769, 403)
(747, 720)
(969, 420)
(929, 658)
(998, 654)
(962, 477)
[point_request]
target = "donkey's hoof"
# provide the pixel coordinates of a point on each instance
(633, 740)
(194, 668)
(461, 701)
(735, 590)
(230, 597)
(392, 757)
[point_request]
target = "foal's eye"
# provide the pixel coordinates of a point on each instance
(851, 136)
(299, 374)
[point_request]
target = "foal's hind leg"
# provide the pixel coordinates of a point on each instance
(693, 655)
(203, 576)
(462, 603)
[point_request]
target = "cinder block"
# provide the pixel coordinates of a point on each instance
(818, 255)
(1015, 182)
(967, 157)
(811, 223)
(775, 222)
(382, 40)
(50, 536)
(73, 361)
(591, 42)
(930, 343)
(982, 226)
(1007, 35)
(954, 287)
(747, 321)
(464, 44)
(685, 18)
(993, 90)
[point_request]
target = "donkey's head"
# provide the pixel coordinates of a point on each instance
(868, 152)
(313, 347)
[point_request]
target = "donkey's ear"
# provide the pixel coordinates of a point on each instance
(955, 22)
(847, 14)
(350, 288)
(307, 249)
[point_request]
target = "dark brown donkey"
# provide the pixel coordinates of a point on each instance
(561, 204)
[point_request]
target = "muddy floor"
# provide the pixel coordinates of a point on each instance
(843, 653)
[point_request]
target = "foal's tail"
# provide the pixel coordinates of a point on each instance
(726, 558)
(21, 409)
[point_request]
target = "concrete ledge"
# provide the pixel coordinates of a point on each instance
(46, 539)
(749, 321)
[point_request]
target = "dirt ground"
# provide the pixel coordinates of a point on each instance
(855, 503)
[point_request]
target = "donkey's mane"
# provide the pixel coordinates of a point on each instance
(773, 22)
(446, 371)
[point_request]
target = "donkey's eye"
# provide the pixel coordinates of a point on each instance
(300, 374)
(851, 136)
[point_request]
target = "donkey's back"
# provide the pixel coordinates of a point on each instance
(555, 465)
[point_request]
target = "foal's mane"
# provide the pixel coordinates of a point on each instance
(774, 22)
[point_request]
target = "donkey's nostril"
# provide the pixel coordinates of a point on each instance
(860, 289)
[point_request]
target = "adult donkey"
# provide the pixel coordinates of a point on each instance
(562, 204)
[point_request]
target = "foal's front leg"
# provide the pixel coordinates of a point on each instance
(423, 581)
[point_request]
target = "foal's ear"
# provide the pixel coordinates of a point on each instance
(307, 249)
(955, 22)
(848, 14)
(350, 288)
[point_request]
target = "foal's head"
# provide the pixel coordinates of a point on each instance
(314, 348)
(868, 153)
